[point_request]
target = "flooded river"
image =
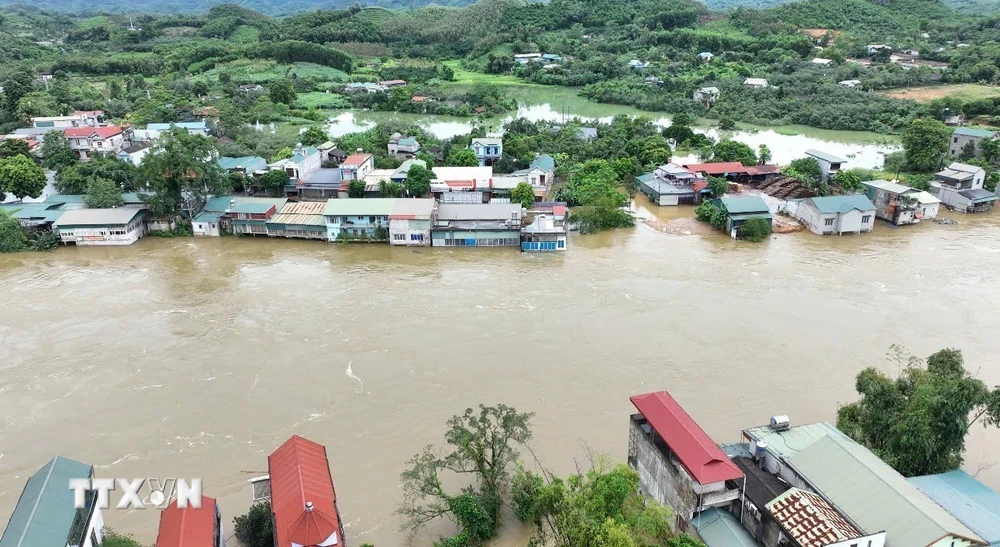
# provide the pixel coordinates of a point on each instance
(196, 358)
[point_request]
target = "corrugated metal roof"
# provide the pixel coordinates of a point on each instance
(703, 459)
(298, 220)
(786, 443)
(874, 495)
(46, 212)
(252, 208)
(479, 211)
(964, 167)
(829, 158)
(927, 198)
(355, 160)
(359, 207)
(761, 487)
(98, 217)
(719, 528)
(743, 205)
(300, 474)
(842, 204)
(44, 513)
(250, 163)
(716, 168)
(890, 186)
(967, 499)
(187, 527)
(978, 194)
(543, 162)
(208, 216)
(810, 520)
(412, 208)
(303, 208)
(490, 141)
(970, 132)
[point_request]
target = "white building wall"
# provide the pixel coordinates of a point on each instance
(102, 235)
(951, 541)
(873, 540)
(206, 229)
(930, 210)
(850, 222)
(402, 230)
(95, 530)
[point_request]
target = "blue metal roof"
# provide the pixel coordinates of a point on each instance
(968, 500)
(843, 204)
(543, 162)
(719, 528)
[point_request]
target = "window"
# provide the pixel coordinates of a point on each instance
(956, 141)
(371, 220)
(399, 237)
(562, 244)
(866, 219)
(416, 237)
(828, 222)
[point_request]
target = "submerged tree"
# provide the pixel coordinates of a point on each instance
(483, 447)
(917, 422)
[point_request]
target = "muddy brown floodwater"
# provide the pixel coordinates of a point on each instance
(196, 358)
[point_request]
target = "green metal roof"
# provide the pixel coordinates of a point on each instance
(250, 163)
(786, 443)
(645, 177)
(842, 204)
(359, 207)
(749, 204)
(970, 132)
(543, 162)
(874, 495)
(748, 216)
(407, 141)
(44, 513)
(969, 500)
(208, 216)
(46, 212)
(130, 198)
(252, 208)
(719, 528)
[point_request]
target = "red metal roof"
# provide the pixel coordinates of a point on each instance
(418, 99)
(763, 169)
(187, 527)
(82, 132)
(702, 458)
(718, 168)
(355, 159)
(300, 474)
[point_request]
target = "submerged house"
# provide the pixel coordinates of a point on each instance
(960, 188)
(546, 228)
(742, 209)
(410, 221)
(191, 527)
(477, 225)
(302, 220)
(45, 515)
(89, 227)
(358, 218)
(671, 184)
(303, 500)
(706, 95)
(895, 203)
(678, 464)
(853, 214)
(829, 164)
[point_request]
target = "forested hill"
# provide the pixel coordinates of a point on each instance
(269, 7)
(964, 6)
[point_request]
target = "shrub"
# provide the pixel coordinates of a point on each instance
(255, 529)
(754, 229)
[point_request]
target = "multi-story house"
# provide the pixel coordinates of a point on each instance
(960, 188)
(488, 150)
(358, 218)
(356, 166)
(963, 136)
(80, 118)
(88, 141)
(403, 148)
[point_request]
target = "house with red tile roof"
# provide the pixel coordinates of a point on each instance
(303, 500)
(191, 527)
(678, 463)
(87, 141)
(356, 166)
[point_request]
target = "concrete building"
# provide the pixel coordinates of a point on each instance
(807, 520)
(963, 136)
(757, 490)
(477, 225)
(366, 219)
(90, 227)
(403, 148)
(134, 153)
(894, 203)
(248, 166)
(356, 166)
(678, 463)
(410, 221)
(488, 150)
(929, 205)
(250, 217)
(671, 184)
(303, 499)
(719, 528)
(541, 172)
(86, 141)
(217, 216)
(872, 496)
(970, 501)
(303, 162)
(300, 220)
(462, 184)
(80, 118)
(829, 164)
(191, 527)
(45, 514)
(853, 214)
(546, 228)
(755, 83)
(960, 188)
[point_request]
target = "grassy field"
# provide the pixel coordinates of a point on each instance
(467, 77)
(261, 71)
(317, 99)
(966, 92)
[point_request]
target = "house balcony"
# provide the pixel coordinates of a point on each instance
(722, 497)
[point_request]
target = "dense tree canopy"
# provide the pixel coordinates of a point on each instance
(918, 421)
(925, 142)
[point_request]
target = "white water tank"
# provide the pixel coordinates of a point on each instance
(780, 423)
(759, 449)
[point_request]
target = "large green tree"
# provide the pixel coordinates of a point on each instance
(524, 194)
(282, 91)
(918, 421)
(21, 177)
(601, 507)
(12, 237)
(313, 135)
(103, 194)
(274, 180)
(56, 153)
(180, 170)
(462, 157)
(482, 445)
(14, 147)
(76, 177)
(730, 150)
(418, 180)
(925, 142)
(255, 528)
